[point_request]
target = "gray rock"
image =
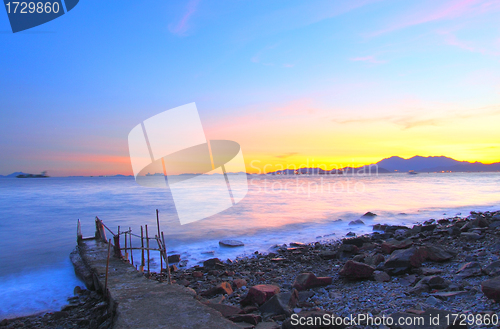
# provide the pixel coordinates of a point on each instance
(282, 303)
(492, 269)
(231, 243)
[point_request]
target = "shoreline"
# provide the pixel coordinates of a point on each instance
(436, 266)
(226, 285)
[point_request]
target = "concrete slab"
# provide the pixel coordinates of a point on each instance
(142, 303)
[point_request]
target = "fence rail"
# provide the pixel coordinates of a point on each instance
(100, 236)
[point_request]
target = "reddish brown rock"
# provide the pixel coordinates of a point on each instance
(389, 246)
(225, 310)
(213, 263)
(238, 283)
(221, 288)
(174, 258)
(404, 259)
(356, 270)
(197, 274)
(260, 294)
(306, 281)
(248, 318)
(491, 288)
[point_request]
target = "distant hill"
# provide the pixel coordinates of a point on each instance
(13, 175)
(370, 169)
(433, 164)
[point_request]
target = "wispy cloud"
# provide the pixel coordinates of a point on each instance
(182, 27)
(368, 59)
(452, 40)
(411, 121)
(452, 9)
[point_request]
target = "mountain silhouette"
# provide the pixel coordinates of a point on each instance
(433, 164)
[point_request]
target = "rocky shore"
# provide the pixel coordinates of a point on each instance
(440, 268)
(86, 310)
(437, 269)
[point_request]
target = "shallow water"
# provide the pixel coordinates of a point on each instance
(39, 216)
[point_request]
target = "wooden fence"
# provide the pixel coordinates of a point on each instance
(145, 248)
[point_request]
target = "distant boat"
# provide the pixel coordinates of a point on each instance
(411, 172)
(42, 175)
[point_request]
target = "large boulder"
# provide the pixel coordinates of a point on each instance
(282, 303)
(439, 254)
(306, 281)
(231, 243)
(491, 288)
(389, 246)
(355, 270)
(174, 258)
(404, 259)
(260, 294)
(213, 263)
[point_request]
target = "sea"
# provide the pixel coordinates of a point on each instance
(38, 220)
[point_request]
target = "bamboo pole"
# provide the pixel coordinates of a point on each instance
(107, 269)
(131, 252)
(158, 226)
(166, 257)
(126, 252)
(147, 244)
(142, 252)
(116, 239)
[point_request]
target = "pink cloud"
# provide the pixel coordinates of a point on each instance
(369, 59)
(452, 40)
(452, 9)
(183, 25)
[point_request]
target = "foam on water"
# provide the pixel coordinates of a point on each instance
(37, 291)
(38, 220)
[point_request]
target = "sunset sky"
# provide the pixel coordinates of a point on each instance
(293, 82)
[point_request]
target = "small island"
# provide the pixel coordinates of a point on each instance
(41, 175)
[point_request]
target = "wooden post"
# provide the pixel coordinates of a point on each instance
(131, 252)
(79, 236)
(166, 257)
(116, 238)
(100, 234)
(158, 226)
(142, 251)
(126, 252)
(105, 292)
(147, 245)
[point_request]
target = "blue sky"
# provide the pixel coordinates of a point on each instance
(338, 81)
